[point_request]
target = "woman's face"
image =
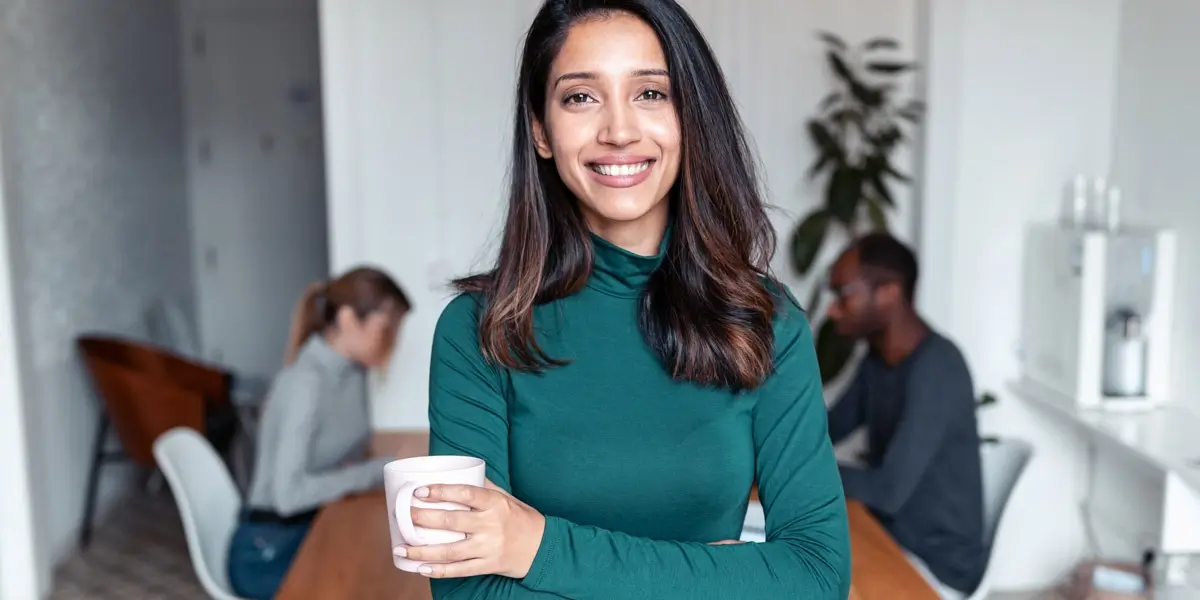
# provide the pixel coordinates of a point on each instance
(370, 340)
(610, 122)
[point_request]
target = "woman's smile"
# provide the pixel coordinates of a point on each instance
(621, 171)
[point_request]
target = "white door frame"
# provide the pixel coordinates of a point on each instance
(939, 34)
(20, 574)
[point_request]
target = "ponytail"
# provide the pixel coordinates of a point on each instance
(308, 318)
(363, 290)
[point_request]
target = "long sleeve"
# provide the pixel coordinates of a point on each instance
(296, 485)
(919, 434)
(846, 415)
(468, 416)
(807, 552)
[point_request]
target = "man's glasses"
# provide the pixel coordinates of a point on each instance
(841, 293)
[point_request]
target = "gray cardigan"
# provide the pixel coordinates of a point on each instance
(314, 434)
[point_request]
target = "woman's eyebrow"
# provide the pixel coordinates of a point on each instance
(589, 76)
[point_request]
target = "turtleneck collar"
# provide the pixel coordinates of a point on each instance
(619, 272)
(323, 354)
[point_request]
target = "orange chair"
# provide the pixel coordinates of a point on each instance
(146, 391)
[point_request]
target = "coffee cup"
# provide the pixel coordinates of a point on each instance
(402, 478)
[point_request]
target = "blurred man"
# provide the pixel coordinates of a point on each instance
(914, 394)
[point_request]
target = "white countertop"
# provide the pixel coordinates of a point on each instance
(1167, 437)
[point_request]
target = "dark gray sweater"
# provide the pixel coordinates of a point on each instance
(922, 478)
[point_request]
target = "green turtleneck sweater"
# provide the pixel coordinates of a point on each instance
(635, 472)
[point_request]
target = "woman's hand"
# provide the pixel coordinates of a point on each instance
(503, 533)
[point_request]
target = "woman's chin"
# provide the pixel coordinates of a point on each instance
(622, 210)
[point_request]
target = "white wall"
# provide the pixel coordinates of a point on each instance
(96, 208)
(19, 569)
(419, 98)
(257, 192)
(1155, 152)
(1022, 96)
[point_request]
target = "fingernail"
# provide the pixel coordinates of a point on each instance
(400, 551)
(425, 570)
(422, 492)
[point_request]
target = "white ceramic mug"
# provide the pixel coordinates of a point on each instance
(403, 477)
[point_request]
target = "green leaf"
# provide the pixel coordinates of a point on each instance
(890, 67)
(880, 43)
(834, 351)
(830, 100)
(986, 399)
(869, 96)
(846, 115)
(822, 138)
(911, 116)
(832, 40)
(840, 69)
(807, 239)
(890, 137)
(826, 159)
(878, 218)
(814, 298)
(890, 170)
(881, 189)
(989, 439)
(843, 193)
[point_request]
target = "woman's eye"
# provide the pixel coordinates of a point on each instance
(577, 99)
(652, 95)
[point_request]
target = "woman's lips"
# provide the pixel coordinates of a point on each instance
(621, 175)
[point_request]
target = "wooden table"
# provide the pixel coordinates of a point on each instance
(347, 554)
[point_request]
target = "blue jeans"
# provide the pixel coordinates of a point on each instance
(260, 554)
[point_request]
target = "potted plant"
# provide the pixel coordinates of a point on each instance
(858, 127)
(986, 399)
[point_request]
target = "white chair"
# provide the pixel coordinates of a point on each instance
(208, 503)
(1003, 464)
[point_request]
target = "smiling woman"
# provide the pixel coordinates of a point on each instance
(630, 367)
(611, 127)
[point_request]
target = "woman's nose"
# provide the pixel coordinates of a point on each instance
(620, 126)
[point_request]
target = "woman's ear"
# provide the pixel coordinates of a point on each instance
(540, 141)
(346, 320)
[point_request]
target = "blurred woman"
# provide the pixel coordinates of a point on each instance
(315, 429)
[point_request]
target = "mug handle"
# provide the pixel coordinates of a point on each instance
(404, 498)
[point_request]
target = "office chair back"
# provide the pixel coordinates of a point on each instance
(1003, 464)
(208, 503)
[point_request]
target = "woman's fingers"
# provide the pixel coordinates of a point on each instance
(466, 568)
(463, 521)
(455, 552)
(468, 495)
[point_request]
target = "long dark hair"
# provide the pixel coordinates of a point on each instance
(707, 310)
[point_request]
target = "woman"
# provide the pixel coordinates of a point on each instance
(629, 368)
(315, 430)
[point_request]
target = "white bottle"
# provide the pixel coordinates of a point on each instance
(1125, 356)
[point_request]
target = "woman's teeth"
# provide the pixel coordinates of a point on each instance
(621, 170)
